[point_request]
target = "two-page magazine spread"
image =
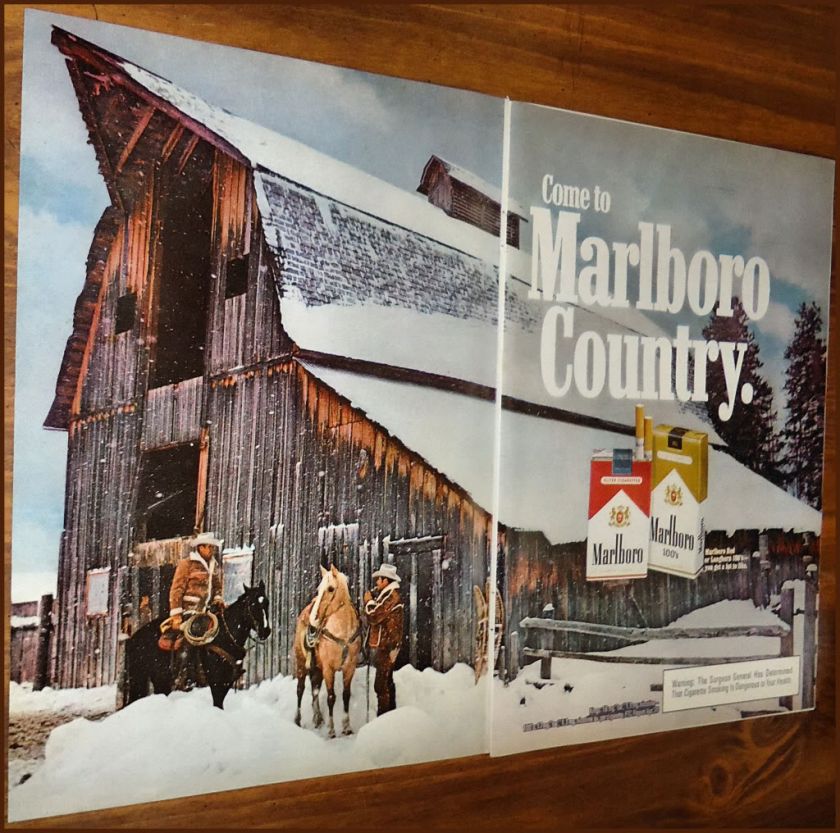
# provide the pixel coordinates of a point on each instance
(375, 422)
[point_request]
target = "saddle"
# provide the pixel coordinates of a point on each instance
(171, 640)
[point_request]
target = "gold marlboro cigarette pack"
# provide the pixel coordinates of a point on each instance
(618, 534)
(680, 486)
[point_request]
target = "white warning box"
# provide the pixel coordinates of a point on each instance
(730, 682)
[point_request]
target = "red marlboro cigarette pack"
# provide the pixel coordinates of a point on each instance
(618, 536)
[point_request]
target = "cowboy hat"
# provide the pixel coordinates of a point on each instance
(206, 538)
(388, 571)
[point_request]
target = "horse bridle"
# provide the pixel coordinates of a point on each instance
(254, 627)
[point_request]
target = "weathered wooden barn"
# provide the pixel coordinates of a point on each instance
(189, 404)
(278, 347)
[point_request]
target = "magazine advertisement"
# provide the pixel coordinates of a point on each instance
(361, 422)
(661, 431)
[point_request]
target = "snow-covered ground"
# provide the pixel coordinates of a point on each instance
(579, 685)
(23, 699)
(33, 715)
(164, 747)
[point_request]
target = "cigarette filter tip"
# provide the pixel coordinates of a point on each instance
(640, 421)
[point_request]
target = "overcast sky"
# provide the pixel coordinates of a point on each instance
(725, 197)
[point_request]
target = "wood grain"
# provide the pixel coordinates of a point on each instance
(758, 74)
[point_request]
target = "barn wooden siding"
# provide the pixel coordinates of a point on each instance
(471, 206)
(101, 483)
(104, 437)
(23, 651)
(293, 466)
(243, 330)
(534, 574)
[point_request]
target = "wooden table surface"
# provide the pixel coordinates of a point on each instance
(757, 74)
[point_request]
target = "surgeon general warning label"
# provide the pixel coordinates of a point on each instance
(733, 682)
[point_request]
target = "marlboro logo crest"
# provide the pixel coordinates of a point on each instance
(620, 516)
(673, 495)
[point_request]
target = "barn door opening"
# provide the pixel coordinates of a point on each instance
(142, 589)
(418, 563)
(168, 492)
(184, 288)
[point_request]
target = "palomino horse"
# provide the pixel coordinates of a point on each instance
(328, 639)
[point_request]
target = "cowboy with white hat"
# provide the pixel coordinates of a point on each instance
(384, 614)
(197, 583)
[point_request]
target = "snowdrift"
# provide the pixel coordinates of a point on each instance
(165, 747)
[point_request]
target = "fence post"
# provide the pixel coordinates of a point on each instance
(513, 662)
(807, 558)
(755, 578)
(786, 642)
(764, 563)
(764, 582)
(42, 656)
(809, 637)
(546, 643)
(501, 665)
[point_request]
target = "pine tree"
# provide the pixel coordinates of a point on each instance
(805, 390)
(750, 432)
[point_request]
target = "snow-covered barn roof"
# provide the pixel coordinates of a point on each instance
(544, 463)
(406, 285)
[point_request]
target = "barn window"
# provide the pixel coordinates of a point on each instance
(166, 502)
(237, 571)
(236, 282)
(96, 591)
(184, 283)
(126, 312)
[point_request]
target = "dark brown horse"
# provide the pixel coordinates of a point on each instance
(328, 639)
(220, 662)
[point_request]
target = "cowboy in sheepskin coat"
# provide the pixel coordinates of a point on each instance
(384, 614)
(197, 582)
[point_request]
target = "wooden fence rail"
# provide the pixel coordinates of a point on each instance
(542, 654)
(547, 627)
(540, 631)
(646, 634)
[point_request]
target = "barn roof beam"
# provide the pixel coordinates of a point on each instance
(137, 133)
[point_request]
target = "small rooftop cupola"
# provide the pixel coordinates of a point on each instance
(464, 196)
